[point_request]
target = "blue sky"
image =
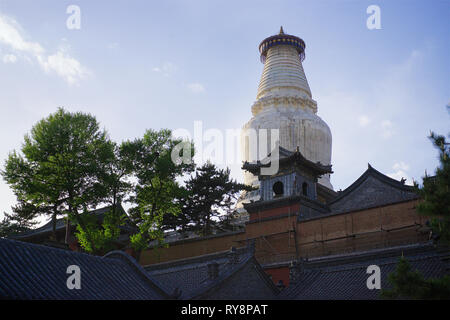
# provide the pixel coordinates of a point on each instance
(165, 64)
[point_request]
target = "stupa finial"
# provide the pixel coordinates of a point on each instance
(282, 39)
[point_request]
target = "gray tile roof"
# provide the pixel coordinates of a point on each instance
(47, 228)
(344, 277)
(370, 190)
(286, 158)
(188, 275)
(30, 271)
(191, 277)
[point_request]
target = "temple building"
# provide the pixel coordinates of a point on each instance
(300, 239)
(295, 215)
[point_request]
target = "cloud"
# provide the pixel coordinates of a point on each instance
(399, 175)
(65, 66)
(400, 172)
(167, 69)
(387, 129)
(61, 63)
(400, 166)
(363, 121)
(9, 58)
(10, 34)
(113, 45)
(196, 87)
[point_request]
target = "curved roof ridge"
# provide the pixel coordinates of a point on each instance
(60, 223)
(371, 171)
(118, 254)
(353, 260)
(213, 285)
(104, 280)
(284, 156)
(227, 274)
(390, 180)
(195, 259)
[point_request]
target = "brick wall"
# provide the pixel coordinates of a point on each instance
(294, 208)
(361, 230)
(188, 248)
(285, 239)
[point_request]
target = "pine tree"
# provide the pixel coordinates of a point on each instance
(61, 168)
(212, 195)
(409, 284)
(156, 193)
(435, 192)
(435, 203)
(21, 220)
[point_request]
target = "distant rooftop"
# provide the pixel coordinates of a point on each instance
(343, 277)
(31, 271)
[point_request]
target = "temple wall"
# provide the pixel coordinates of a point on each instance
(383, 226)
(192, 247)
(283, 239)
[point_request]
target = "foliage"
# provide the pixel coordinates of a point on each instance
(435, 192)
(156, 192)
(435, 196)
(103, 231)
(20, 221)
(68, 166)
(408, 284)
(62, 166)
(211, 196)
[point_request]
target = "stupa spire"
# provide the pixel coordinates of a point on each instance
(283, 73)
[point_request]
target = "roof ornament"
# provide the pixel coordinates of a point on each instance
(281, 30)
(251, 246)
(213, 270)
(280, 285)
(176, 293)
(233, 256)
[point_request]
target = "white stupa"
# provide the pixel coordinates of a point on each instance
(284, 102)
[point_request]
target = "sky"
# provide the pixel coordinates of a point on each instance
(139, 65)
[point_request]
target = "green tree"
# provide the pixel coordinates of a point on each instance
(156, 191)
(104, 230)
(435, 203)
(21, 220)
(62, 167)
(212, 195)
(435, 192)
(409, 284)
